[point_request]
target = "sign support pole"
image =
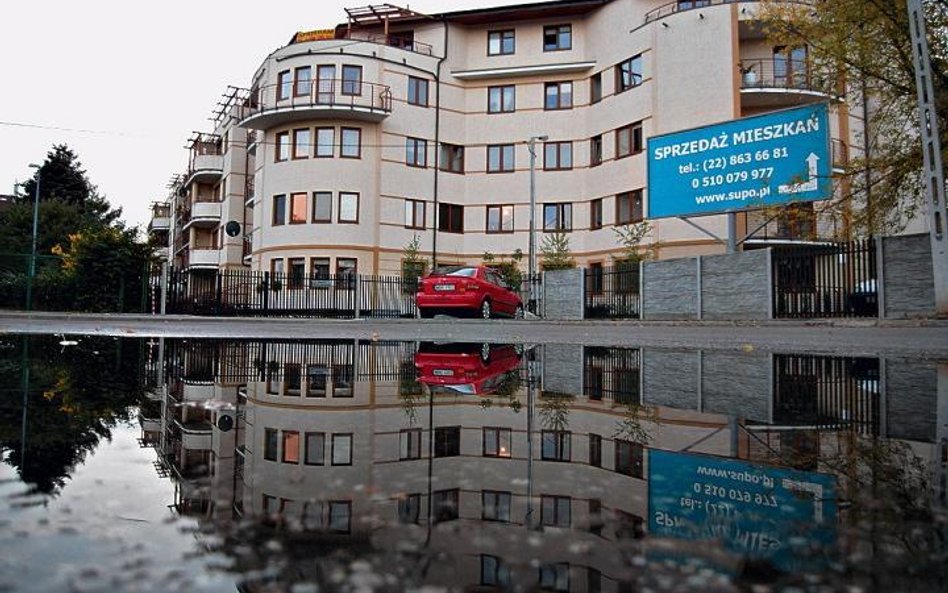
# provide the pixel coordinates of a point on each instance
(731, 232)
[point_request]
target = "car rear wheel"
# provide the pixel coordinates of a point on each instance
(486, 309)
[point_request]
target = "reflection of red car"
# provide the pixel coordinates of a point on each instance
(470, 289)
(470, 369)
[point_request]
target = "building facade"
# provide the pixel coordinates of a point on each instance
(351, 142)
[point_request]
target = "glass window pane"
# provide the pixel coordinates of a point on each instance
(341, 449)
(298, 208)
(494, 96)
(291, 447)
(566, 155)
(566, 94)
(315, 448)
(322, 206)
(493, 158)
(325, 142)
(348, 207)
(351, 140)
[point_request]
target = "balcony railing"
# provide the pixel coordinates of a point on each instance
(683, 5)
(249, 188)
(276, 104)
(400, 41)
(792, 75)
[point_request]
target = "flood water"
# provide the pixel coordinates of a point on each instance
(358, 466)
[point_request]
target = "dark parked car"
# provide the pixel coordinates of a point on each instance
(475, 290)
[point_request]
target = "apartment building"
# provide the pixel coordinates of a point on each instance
(352, 141)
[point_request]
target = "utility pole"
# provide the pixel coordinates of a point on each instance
(933, 177)
(532, 246)
(32, 273)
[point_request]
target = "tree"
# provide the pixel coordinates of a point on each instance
(556, 253)
(413, 265)
(508, 268)
(866, 44)
(630, 236)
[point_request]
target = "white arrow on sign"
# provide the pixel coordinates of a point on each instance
(812, 181)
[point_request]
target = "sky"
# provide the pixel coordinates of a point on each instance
(124, 84)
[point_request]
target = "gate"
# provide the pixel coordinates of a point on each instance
(613, 292)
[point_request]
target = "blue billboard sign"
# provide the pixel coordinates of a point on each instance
(758, 161)
(759, 511)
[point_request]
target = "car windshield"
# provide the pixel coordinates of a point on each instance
(465, 272)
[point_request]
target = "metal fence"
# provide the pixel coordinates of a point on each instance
(613, 292)
(254, 293)
(826, 280)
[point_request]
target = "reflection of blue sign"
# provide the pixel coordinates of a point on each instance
(759, 511)
(757, 161)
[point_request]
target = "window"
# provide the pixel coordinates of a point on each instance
(418, 91)
(343, 374)
(348, 207)
(296, 280)
(325, 142)
(325, 84)
(409, 443)
(352, 80)
(595, 214)
(629, 140)
(447, 441)
(319, 272)
(790, 66)
(276, 269)
(340, 516)
(452, 158)
(593, 580)
(629, 207)
(279, 210)
(596, 522)
(409, 508)
(554, 577)
(270, 444)
(292, 378)
(416, 152)
(686, 4)
(501, 43)
(629, 457)
(322, 206)
(282, 152)
(444, 505)
(557, 37)
(450, 218)
(557, 156)
(629, 73)
(496, 442)
(595, 440)
(302, 81)
(555, 445)
(342, 449)
(558, 217)
(291, 446)
(297, 208)
(629, 526)
(351, 147)
(558, 95)
(315, 448)
(301, 143)
(316, 374)
(494, 572)
(500, 158)
(500, 219)
(501, 99)
(555, 511)
(595, 150)
(414, 214)
(595, 87)
(495, 506)
(284, 85)
(346, 270)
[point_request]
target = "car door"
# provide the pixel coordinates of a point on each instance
(503, 301)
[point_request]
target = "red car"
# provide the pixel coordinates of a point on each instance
(466, 369)
(467, 289)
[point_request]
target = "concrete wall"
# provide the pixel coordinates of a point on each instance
(732, 286)
(563, 368)
(669, 289)
(907, 278)
(563, 294)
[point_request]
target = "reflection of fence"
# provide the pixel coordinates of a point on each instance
(613, 374)
(826, 280)
(254, 293)
(613, 292)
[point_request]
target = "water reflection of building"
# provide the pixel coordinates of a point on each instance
(340, 440)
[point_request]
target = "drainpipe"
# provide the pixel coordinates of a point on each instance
(437, 148)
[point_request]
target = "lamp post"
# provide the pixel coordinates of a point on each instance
(32, 273)
(532, 247)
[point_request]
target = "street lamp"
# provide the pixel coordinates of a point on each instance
(36, 201)
(532, 249)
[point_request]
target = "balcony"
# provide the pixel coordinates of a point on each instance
(677, 6)
(277, 105)
(203, 257)
(197, 392)
(206, 162)
(204, 214)
(404, 41)
(776, 82)
(160, 217)
(195, 435)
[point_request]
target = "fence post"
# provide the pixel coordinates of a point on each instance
(641, 289)
(218, 290)
(266, 291)
(699, 287)
(880, 274)
(771, 292)
(357, 295)
(164, 287)
(146, 283)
